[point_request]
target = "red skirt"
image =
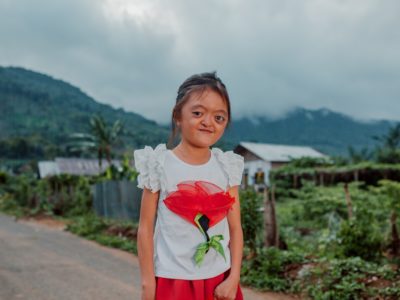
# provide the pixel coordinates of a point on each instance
(198, 289)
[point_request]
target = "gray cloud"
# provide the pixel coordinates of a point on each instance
(273, 55)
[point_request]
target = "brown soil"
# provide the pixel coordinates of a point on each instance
(45, 220)
(130, 233)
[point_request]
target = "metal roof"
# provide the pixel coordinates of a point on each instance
(47, 168)
(280, 153)
(73, 166)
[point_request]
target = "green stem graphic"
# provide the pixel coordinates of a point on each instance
(214, 242)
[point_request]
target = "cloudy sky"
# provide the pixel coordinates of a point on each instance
(273, 55)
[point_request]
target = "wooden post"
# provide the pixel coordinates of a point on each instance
(274, 218)
(356, 175)
(395, 234)
(295, 181)
(385, 174)
(271, 229)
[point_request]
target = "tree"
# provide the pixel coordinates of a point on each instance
(388, 151)
(105, 137)
(80, 144)
(101, 138)
(391, 140)
(359, 156)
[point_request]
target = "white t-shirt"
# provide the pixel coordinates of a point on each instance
(175, 239)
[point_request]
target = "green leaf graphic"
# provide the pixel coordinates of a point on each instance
(214, 243)
(203, 248)
(200, 252)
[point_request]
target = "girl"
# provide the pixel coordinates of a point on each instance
(195, 252)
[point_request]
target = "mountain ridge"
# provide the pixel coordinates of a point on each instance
(34, 102)
(328, 131)
(38, 104)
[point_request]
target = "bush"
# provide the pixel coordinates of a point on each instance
(3, 177)
(251, 217)
(360, 237)
(10, 206)
(88, 225)
(126, 172)
(96, 228)
(65, 195)
(348, 279)
(266, 270)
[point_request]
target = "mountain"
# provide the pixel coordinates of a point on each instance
(34, 104)
(327, 131)
(38, 112)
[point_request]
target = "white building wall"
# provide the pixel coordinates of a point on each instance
(252, 168)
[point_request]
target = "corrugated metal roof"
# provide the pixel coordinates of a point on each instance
(82, 166)
(48, 168)
(280, 153)
(73, 166)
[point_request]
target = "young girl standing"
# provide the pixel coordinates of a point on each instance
(191, 194)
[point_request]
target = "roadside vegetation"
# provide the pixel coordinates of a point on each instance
(326, 254)
(337, 222)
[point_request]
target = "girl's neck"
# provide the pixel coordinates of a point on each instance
(191, 153)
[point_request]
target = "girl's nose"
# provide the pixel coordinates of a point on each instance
(206, 121)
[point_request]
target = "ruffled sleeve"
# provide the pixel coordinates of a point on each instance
(149, 165)
(233, 165)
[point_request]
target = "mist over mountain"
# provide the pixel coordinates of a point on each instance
(328, 131)
(37, 105)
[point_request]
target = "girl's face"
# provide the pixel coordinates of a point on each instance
(203, 118)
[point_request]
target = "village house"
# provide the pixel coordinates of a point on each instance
(260, 158)
(73, 166)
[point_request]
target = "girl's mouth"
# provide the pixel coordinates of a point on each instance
(205, 131)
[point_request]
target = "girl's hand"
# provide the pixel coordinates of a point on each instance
(226, 290)
(149, 290)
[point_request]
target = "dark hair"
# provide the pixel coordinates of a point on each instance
(197, 83)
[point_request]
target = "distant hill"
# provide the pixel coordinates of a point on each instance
(36, 104)
(45, 110)
(323, 129)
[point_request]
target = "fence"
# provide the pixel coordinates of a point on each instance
(117, 199)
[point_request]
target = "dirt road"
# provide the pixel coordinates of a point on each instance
(42, 262)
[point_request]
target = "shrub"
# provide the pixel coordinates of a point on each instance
(251, 217)
(348, 279)
(266, 270)
(360, 237)
(60, 194)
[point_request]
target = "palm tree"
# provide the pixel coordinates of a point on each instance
(105, 137)
(392, 139)
(101, 138)
(389, 151)
(80, 144)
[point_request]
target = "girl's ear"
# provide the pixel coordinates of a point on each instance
(176, 119)
(177, 122)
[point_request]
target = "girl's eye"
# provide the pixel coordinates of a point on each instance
(197, 113)
(220, 118)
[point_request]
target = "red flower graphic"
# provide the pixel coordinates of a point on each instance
(193, 197)
(203, 204)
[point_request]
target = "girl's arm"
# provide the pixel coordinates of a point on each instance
(228, 288)
(145, 240)
(236, 235)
